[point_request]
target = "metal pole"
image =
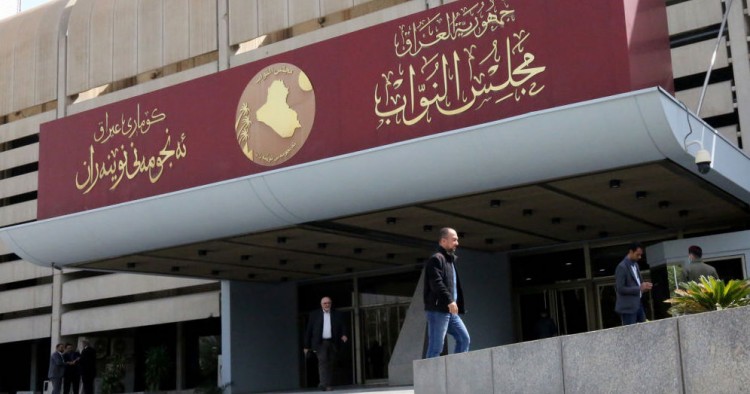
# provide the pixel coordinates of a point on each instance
(713, 58)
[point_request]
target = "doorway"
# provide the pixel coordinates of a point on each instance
(566, 306)
(375, 307)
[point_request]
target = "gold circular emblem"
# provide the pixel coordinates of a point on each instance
(275, 114)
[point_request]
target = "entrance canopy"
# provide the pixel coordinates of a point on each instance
(620, 166)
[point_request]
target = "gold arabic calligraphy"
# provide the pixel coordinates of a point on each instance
(124, 161)
(492, 70)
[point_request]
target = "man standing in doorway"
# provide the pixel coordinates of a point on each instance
(87, 367)
(56, 369)
(629, 287)
(325, 332)
(696, 267)
(443, 297)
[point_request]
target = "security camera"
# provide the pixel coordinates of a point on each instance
(703, 161)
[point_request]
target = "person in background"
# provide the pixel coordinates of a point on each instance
(545, 327)
(56, 368)
(87, 367)
(629, 287)
(696, 267)
(326, 331)
(72, 378)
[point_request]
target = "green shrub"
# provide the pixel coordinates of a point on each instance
(710, 294)
(114, 371)
(157, 365)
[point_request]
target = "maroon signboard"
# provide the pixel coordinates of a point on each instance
(453, 66)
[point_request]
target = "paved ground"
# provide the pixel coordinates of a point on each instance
(358, 389)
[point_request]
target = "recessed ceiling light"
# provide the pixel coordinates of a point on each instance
(527, 212)
(281, 240)
(640, 195)
(495, 203)
(663, 204)
(427, 228)
(614, 184)
(390, 220)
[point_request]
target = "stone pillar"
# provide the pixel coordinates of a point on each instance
(259, 339)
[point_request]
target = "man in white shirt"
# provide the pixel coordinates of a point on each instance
(325, 332)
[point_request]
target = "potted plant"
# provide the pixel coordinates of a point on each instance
(709, 295)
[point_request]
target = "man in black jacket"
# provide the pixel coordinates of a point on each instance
(325, 331)
(72, 379)
(443, 297)
(87, 367)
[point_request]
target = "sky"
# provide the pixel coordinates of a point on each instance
(9, 7)
(27, 4)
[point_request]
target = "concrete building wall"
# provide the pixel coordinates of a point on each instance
(699, 353)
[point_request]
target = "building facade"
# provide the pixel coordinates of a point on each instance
(222, 290)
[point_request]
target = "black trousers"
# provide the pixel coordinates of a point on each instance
(88, 384)
(73, 380)
(326, 361)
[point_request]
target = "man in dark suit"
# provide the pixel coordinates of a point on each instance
(56, 368)
(87, 367)
(325, 332)
(629, 287)
(72, 377)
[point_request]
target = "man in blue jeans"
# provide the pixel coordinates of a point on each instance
(443, 298)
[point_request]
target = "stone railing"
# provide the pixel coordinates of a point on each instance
(703, 353)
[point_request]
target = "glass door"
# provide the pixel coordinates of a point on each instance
(553, 311)
(380, 328)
